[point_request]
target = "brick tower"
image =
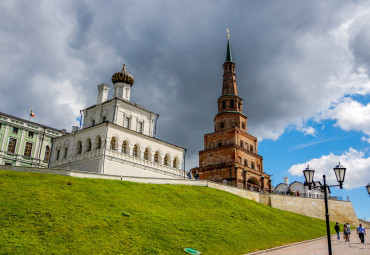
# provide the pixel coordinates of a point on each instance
(230, 153)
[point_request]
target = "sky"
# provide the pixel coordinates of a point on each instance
(302, 68)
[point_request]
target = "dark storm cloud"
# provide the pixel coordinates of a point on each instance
(285, 55)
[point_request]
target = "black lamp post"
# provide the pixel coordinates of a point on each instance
(340, 173)
(368, 188)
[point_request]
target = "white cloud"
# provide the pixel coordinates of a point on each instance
(350, 115)
(318, 71)
(307, 130)
(365, 139)
(357, 174)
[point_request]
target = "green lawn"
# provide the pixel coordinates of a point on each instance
(52, 214)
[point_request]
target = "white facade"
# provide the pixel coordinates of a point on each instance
(118, 138)
(286, 188)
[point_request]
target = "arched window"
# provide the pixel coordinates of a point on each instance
(251, 148)
(166, 159)
(175, 163)
(156, 157)
(79, 147)
(242, 144)
(113, 144)
(98, 145)
(88, 145)
(47, 153)
(146, 154)
(124, 147)
(134, 152)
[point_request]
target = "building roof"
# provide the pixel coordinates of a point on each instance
(229, 57)
(31, 122)
(126, 101)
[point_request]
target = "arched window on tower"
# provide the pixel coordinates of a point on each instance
(222, 124)
(223, 104)
(232, 104)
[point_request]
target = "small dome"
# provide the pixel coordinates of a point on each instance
(123, 76)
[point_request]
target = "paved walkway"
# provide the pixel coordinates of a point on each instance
(320, 247)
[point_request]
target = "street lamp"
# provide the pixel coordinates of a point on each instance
(308, 175)
(340, 173)
(368, 188)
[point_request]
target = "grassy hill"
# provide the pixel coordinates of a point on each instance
(52, 214)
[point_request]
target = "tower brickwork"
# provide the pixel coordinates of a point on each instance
(230, 152)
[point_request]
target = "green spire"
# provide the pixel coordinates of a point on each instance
(229, 57)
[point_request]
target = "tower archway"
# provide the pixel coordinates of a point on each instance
(253, 184)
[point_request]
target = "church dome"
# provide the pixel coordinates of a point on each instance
(123, 76)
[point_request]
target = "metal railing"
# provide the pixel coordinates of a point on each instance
(308, 195)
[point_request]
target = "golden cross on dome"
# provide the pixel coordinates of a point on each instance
(228, 33)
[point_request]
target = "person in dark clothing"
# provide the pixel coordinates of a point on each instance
(337, 229)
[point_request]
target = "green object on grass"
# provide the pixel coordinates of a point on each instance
(191, 251)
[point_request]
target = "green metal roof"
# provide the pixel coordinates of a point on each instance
(229, 57)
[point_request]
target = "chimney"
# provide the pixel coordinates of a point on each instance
(74, 129)
(286, 180)
(102, 93)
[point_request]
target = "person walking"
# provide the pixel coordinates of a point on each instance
(361, 232)
(337, 229)
(349, 232)
(346, 234)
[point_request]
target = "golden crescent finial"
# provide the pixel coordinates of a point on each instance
(228, 33)
(124, 67)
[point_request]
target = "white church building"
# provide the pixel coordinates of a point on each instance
(117, 138)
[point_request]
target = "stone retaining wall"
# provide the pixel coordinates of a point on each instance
(251, 195)
(340, 211)
(81, 174)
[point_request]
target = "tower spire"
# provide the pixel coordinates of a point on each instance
(229, 57)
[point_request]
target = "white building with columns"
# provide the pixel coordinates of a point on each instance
(117, 138)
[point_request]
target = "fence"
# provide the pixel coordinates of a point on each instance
(308, 195)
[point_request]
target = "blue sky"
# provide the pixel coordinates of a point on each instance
(302, 68)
